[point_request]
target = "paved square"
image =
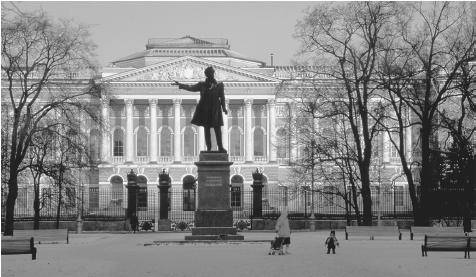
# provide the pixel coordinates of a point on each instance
(117, 255)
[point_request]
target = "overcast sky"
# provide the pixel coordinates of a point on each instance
(254, 29)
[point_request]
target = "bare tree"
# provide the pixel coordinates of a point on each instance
(420, 71)
(347, 36)
(40, 59)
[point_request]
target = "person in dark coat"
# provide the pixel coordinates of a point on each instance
(331, 242)
(208, 112)
(134, 223)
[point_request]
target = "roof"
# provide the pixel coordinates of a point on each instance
(187, 46)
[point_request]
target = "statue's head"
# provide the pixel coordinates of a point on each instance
(210, 72)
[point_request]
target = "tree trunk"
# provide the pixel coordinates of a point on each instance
(469, 191)
(11, 199)
(36, 208)
(58, 207)
(422, 217)
(366, 197)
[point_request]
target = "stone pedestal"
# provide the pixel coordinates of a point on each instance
(163, 225)
(214, 216)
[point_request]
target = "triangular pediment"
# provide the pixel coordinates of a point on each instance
(188, 69)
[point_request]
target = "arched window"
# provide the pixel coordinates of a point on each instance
(236, 191)
(117, 191)
(165, 142)
(189, 142)
(236, 142)
(259, 140)
(189, 193)
(94, 145)
(142, 142)
(142, 193)
(118, 144)
(282, 144)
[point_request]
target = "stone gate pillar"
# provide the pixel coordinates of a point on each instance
(257, 194)
(164, 186)
(132, 189)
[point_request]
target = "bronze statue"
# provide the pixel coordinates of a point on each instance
(210, 106)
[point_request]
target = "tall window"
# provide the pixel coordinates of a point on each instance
(94, 150)
(117, 191)
(259, 140)
(236, 142)
(142, 194)
(236, 194)
(189, 193)
(93, 198)
(142, 142)
(165, 142)
(189, 142)
(394, 155)
(282, 143)
(118, 145)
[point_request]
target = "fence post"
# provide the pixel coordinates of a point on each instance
(257, 194)
(132, 189)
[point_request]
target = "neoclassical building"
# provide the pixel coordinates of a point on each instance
(146, 126)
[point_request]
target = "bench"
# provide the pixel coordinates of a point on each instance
(446, 243)
(372, 231)
(19, 246)
(442, 231)
(44, 235)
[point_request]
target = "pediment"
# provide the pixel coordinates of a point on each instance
(188, 69)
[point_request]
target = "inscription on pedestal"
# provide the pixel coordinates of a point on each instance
(213, 181)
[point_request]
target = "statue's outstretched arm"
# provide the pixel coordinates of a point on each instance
(195, 87)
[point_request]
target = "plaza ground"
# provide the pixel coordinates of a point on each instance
(125, 254)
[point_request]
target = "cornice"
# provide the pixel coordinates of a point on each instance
(152, 84)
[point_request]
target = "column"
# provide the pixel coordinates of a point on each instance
(408, 143)
(225, 126)
(201, 139)
(293, 132)
(177, 148)
(153, 130)
(106, 132)
(272, 130)
(386, 147)
(248, 133)
(129, 131)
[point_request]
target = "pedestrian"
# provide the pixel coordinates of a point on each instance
(283, 230)
(332, 242)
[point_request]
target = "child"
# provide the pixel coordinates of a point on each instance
(331, 242)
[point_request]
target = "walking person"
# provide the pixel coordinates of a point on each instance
(283, 230)
(332, 242)
(208, 112)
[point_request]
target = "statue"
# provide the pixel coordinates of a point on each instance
(210, 106)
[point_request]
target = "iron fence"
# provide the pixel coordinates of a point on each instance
(95, 203)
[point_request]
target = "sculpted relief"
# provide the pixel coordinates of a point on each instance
(187, 71)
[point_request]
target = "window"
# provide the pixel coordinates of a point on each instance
(165, 142)
(118, 147)
(189, 141)
(374, 194)
(189, 193)
(328, 194)
(142, 193)
(70, 197)
(236, 191)
(117, 193)
(398, 190)
(142, 142)
(94, 150)
(93, 198)
(394, 156)
(259, 140)
(236, 142)
(282, 143)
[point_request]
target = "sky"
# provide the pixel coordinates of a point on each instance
(254, 29)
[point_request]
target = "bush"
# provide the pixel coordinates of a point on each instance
(242, 225)
(181, 225)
